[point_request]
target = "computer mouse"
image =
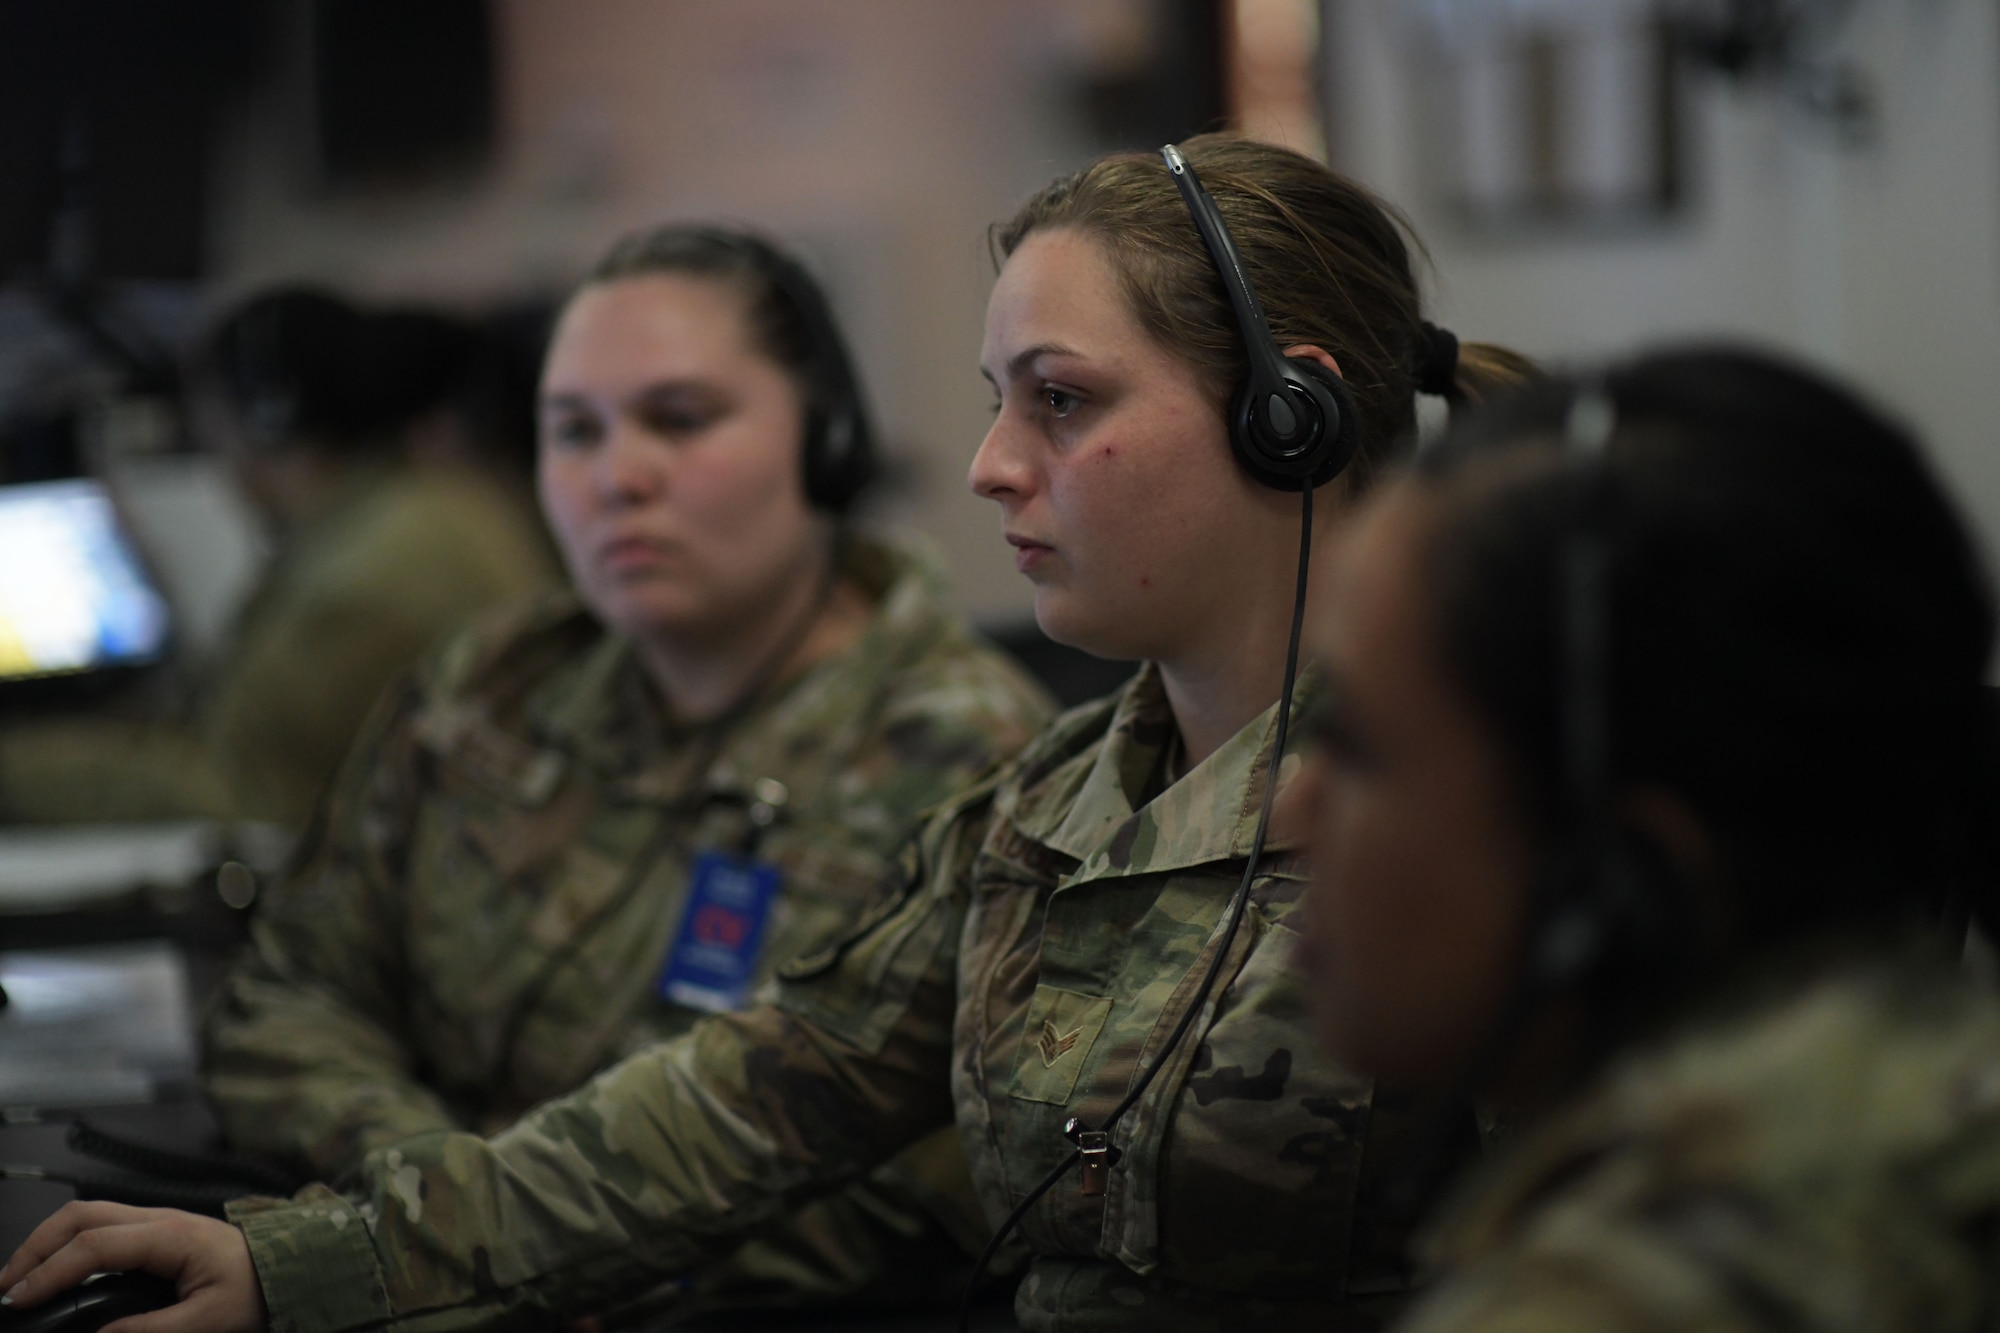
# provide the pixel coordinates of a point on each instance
(92, 1305)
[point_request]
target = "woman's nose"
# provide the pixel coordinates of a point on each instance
(629, 468)
(1000, 469)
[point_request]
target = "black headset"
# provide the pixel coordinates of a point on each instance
(1608, 909)
(1291, 422)
(1610, 900)
(839, 457)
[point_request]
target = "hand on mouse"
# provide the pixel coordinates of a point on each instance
(207, 1260)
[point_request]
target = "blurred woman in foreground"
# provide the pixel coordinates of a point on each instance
(1656, 751)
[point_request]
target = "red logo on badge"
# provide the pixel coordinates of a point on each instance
(720, 926)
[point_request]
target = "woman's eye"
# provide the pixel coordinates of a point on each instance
(1060, 403)
(570, 431)
(677, 421)
(680, 412)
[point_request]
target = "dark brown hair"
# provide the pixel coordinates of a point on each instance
(301, 363)
(1797, 629)
(1329, 260)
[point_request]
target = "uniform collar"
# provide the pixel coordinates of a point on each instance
(604, 710)
(1095, 808)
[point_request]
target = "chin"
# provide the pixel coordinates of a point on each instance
(630, 612)
(1077, 627)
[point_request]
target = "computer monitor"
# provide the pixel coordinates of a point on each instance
(74, 596)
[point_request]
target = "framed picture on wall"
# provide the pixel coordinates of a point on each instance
(1542, 114)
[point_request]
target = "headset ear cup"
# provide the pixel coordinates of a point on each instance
(1624, 919)
(1342, 438)
(837, 464)
(813, 459)
(1316, 393)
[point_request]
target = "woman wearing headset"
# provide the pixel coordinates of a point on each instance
(1658, 751)
(515, 883)
(1056, 924)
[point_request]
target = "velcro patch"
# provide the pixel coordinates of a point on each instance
(1061, 1028)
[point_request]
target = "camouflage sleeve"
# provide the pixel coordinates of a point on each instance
(104, 768)
(1615, 1279)
(658, 1164)
(302, 1056)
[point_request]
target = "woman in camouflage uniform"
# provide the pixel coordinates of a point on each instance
(484, 914)
(317, 407)
(1052, 925)
(1659, 750)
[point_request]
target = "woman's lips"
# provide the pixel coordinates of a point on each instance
(626, 554)
(1028, 552)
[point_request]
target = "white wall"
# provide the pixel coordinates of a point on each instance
(1883, 260)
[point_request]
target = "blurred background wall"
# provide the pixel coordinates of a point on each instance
(1823, 175)
(1842, 201)
(879, 136)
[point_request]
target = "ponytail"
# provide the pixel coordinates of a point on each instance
(1488, 370)
(1468, 373)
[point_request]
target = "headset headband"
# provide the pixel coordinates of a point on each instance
(1269, 397)
(1291, 422)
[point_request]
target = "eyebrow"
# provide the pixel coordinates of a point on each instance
(570, 399)
(1027, 356)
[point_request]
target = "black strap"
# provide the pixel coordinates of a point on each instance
(1437, 370)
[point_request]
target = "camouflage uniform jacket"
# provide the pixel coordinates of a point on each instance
(479, 917)
(1829, 1162)
(1054, 924)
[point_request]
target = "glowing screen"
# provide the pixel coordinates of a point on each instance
(73, 595)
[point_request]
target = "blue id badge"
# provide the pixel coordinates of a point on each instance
(714, 958)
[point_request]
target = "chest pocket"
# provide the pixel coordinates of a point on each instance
(1061, 1028)
(503, 765)
(826, 891)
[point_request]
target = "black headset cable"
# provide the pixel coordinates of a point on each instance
(1239, 901)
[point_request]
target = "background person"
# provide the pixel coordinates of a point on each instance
(313, 403)
(1656, 853)
(490, 909)
(1051, 924)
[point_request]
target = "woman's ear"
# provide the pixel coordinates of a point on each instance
(1314, 352)
(1688, 853)
(1668, 820)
